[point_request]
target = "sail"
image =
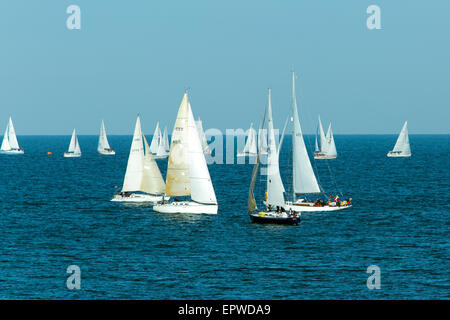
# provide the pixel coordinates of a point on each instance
(202, 136)
(5, 143)
(156, 139)
(73, 141)
(135, 165)
(162, 148)
(402, 144)
(202, 190)
(322, 138)
(103, 139)
(331, 147)
(166, 140)
(77, 146)
(177, 179)
(275, 186)
(262, 141)
(250, 145)
(152, 180)
(12, 136)
(304, 180)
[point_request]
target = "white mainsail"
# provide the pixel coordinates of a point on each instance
(202, 190)
(152, 180)
(135, 165)
(262, 141)
(166, 140)
(202, 136)
(402, 145)
(103, 143)
(322, 139)
(156, 140)
(250, 145)
(304, 179)
(12, 136)
(331, 147)
(275, 188)
(5, 143)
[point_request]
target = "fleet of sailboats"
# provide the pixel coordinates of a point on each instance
(103, 144)
(10, 145)
(74, 147)
(325, 147)
(187, 171)
(402, 147)
(143, 181)
(250, 149)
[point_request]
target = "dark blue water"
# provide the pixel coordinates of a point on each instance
(55, 212)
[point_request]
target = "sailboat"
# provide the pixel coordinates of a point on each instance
(187, 172)
(250, 149)
(155, 140)
(275, 188)
(163, 146)
(74, 147)
(402, 147)
(202, 136)
(143, 181)
(103, 144)
(304, 180)
(10, 144)
(325, 148)
(262, 141)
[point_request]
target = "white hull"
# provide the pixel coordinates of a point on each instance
(309, 207)
(160, 157)
(14, 151)
(71, 155)
(186, 207)
(246, 154)
(324, 156)
(398, 155)
(136, 197)
(107, 153)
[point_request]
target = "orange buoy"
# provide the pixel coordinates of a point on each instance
(49, 153)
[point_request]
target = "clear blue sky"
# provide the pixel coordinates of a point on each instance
(139, 56)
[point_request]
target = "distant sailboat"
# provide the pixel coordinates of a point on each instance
(74, 147)
(103, 144)
(250, 149)
(325, 148)
(262, 141)
(304, 180)
(155, 140)
(187, 172)
(163, 146)
(402, 147)
(143, 181)
(202, 136)
(10, 144)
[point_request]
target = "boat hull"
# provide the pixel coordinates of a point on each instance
(274, 218)
(323, 156)
(160, 157)
(246, 154)
(107, 153)
(312, 208)
(71, 155)
(186, 207)
(398, 155)
(139, 198)
(12, 152)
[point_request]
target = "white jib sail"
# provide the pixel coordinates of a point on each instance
(166, 140)
(202, 190)
(177, 179)
(77, 146)
(135, 165)
(304, 180)
(275, 188)
(12, 136)
(201, 135)
(152, 180)
(73, 141)
(262, 141)
(103, 139)
(331, 147)
(402, 144)
(156, 139)
(5, 143)
(322, 139)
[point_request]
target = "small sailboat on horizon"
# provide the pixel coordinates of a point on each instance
(250, 149)
(143, 181)
(103, 144)
(187, 171)
(402, 147)
(325, 147)
(10, 145)
(163, 146)
(74, 147)
(202, 136)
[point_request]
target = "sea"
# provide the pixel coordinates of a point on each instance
(55, 212)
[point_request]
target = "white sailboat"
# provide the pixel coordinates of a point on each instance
(10, 145)
(74, 147)
(402, 147)
(163, 147)
(103, 144)
(325, 148)
(143, 181)
(202, 136)
(187, 172)
(275, 188)
(262, 141)
(155, 140)
(304, 180)
(250, 149)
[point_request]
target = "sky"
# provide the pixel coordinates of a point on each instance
(139, 56)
